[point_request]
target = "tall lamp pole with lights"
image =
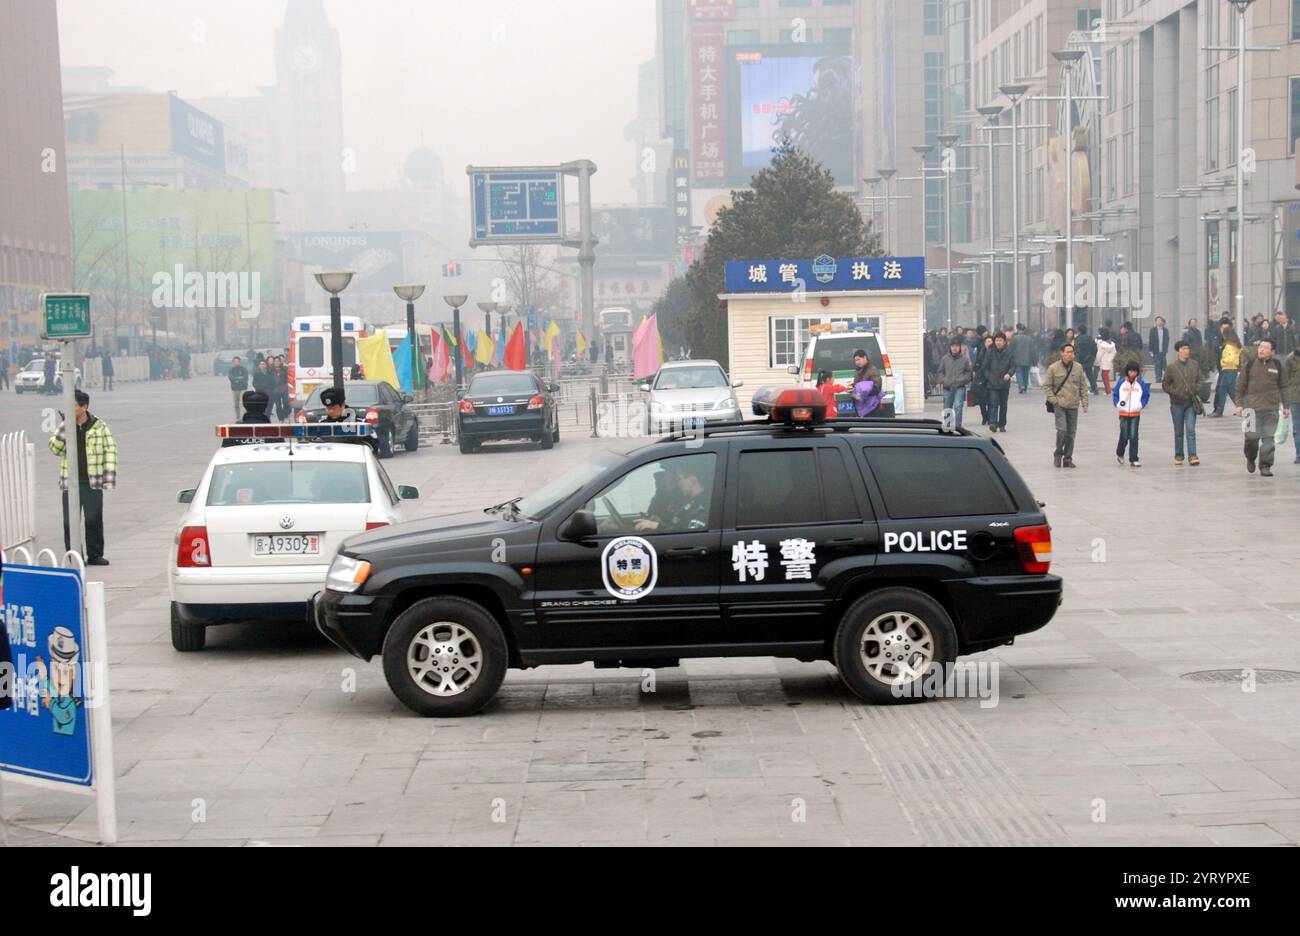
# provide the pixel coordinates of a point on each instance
(334, 283)
(409, 293)
(456, 301)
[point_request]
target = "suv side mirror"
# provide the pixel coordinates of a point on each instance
(793, 369)
(552, 388)
(644, 388)
(580, 526)
(407, 398)
(186, 496)
(737, 383)
(408, 492)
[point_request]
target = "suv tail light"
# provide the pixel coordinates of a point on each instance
(192, 550)
(467, 406)
(889, 371)
(536, 402)
(372, 415)
(1034, 547)
(301, 418)
(807, 370)
(375, 524)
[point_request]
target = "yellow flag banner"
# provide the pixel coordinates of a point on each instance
(377, 359)
(485, 349)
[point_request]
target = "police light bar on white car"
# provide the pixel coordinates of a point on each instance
(791, 405)
(309, 431)
(823, 328)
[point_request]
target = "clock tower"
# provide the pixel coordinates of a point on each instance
(308, 114)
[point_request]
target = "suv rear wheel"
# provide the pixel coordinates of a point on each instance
(889, 641)
(445, 657)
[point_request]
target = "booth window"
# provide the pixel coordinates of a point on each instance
(788, 335)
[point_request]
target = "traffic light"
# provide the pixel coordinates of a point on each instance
(451, 268)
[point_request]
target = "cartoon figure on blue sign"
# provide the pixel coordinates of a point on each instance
(57, 688)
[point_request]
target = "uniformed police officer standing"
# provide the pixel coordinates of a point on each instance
(336, 409)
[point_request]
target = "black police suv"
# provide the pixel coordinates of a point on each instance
(377, 403)
(507, 404)
(888, 546)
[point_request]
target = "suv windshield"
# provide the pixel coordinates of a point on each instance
(542, 501)
(835, 353)
(288, 482)
(501, 385)
(690, 378)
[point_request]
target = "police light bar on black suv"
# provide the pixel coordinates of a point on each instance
(790, 405)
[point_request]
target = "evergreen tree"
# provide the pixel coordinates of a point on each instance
(791, 210)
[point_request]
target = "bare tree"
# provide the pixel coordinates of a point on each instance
(530, 278)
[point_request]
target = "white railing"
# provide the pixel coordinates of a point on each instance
(17, 491)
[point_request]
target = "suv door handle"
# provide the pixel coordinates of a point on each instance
(688, 551)
(846, 541)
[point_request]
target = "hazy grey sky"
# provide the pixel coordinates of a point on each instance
(561, 83)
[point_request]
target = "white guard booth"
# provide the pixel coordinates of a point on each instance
(771, 305)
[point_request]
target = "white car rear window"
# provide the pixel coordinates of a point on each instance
(289, 482)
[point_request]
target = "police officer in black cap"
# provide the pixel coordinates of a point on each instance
(336, 409)
(255, 404)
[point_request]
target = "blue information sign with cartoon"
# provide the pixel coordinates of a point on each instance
(819, 274)
(45, 733)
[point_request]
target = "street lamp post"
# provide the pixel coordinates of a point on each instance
(1067, 58)
(990, 113)
(456, 301)
(1015, 92)
(409, 293)
(888, 174)
(924, 153)
(487, 308)
(946, 140)
(334, 283)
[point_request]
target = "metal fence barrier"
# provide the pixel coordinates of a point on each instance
(438, 423)
(17, 491)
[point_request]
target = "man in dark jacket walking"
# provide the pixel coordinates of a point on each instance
(1181, 383)
(106, 368)
(1283, 334)
(238, 377)
(1158, 345)
(1023, 351)
(997, 366)
(955, 373)
(1261, 387)
(1085, 349)
(1192, 335)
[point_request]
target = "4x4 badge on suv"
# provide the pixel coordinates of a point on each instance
(629, 567)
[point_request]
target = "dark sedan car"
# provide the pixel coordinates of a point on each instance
(377, 403)
(507, 404)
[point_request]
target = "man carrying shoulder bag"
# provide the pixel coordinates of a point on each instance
(1067, 390)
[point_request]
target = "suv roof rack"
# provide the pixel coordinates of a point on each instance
(838, 424)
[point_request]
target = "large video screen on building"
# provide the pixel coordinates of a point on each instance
(804, 92)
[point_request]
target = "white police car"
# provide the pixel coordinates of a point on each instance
(262, 527)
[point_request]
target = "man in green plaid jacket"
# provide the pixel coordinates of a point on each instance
(97, 471)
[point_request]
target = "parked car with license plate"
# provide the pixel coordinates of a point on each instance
(507, 404)
(262, 526)
(377, 403)
(689, 394)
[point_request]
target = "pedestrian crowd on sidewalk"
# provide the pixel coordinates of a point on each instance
(1201, 373)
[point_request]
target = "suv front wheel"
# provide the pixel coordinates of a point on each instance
(445, 657)
(890, 642)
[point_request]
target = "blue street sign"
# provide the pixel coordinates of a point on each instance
(45, 732)
(517, 205)
(824, 273)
